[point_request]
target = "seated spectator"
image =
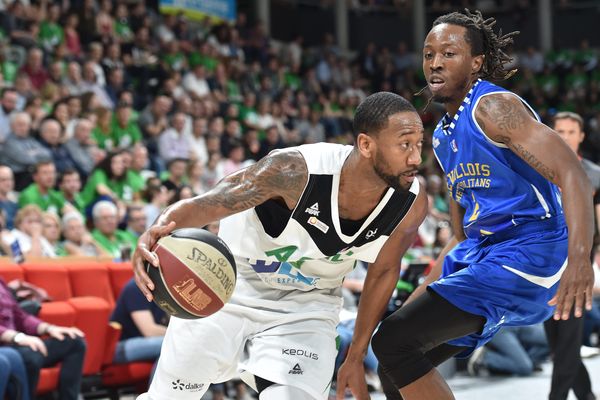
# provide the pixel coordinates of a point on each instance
(108, 181)
(51, 229)
(234, 161)
(173, 142)
(42, 193)
(114, 241)
(138, 172)
(21, 151)
(513, 350)
(182, 193)
(157, 197)
(13, 377)
(82, 149)
(7, 203)
(197, 139)
(64, 346)
(136, 221)
(195, 174)
(176, 175)
(5, 236)
(51, 138)
(102, 132)
(28, 233)
(125, 131)
(143, 326)
(8, 105)
(78, 240)
(34, 68)
(69, 184)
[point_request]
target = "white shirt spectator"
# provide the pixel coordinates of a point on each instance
(25, 243)
(198, 86)
(173, 144)
(197, 147)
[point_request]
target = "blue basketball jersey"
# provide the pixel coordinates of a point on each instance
(494, 185)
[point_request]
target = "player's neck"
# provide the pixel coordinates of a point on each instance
(359, 179)
(453, 105)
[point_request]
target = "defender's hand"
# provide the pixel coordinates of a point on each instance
(144, 254)
(352, 375)
(575, 288)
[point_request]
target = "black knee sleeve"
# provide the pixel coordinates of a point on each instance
(403, 340)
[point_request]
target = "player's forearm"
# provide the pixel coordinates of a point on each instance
(188, 213)
(374, 299)
(436, 270)
(579, 211)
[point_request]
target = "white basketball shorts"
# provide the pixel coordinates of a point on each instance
(295, 348)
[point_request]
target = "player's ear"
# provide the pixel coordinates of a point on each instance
(477, 64)
(365, 145)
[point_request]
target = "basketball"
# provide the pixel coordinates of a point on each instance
(196, 276)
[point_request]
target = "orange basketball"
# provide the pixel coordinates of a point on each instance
(196, 276)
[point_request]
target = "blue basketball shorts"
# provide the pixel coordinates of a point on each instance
(508, 277)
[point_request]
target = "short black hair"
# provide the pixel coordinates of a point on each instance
(373, 114)
(483, 41)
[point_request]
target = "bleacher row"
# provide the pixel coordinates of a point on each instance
(83, 293)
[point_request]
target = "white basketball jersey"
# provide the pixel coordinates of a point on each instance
(305, 249)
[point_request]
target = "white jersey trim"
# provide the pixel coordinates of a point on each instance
(546, 282)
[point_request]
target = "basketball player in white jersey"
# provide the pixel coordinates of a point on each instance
(296, 222)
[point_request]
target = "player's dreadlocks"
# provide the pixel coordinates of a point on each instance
(483, 41)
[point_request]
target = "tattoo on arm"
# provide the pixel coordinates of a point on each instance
(531, 159)
(282, 174)
(509, 117)
(503, 113)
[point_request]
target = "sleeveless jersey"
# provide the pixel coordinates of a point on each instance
(494, 185)
(305, 248)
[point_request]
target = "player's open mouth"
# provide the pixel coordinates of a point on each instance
(410, 176)
(436, 83)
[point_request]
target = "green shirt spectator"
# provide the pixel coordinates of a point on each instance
(51, 34)
(109, 179)
(120, 188)
(125, 132)
(114, 245)
(52, 201)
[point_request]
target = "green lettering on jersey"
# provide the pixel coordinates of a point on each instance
(283, 253)
(298, 264)
(338, 256)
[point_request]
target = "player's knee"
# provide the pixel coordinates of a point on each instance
(282, 392)
(389, 339)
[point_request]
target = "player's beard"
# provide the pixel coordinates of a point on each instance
(392, 181)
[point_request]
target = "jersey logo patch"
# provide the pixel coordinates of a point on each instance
(320, 225)
(371, 233)
(453, 145)
(313, 210)
(296, 370)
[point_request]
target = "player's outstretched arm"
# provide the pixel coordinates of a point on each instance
(506, 120)
(380, 282)
(280, 175)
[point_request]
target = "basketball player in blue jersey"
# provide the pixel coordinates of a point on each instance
(297, 221)
(510, 261)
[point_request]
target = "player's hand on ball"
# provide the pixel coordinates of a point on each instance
(352, 375)
(575, 289)
(143, 253)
